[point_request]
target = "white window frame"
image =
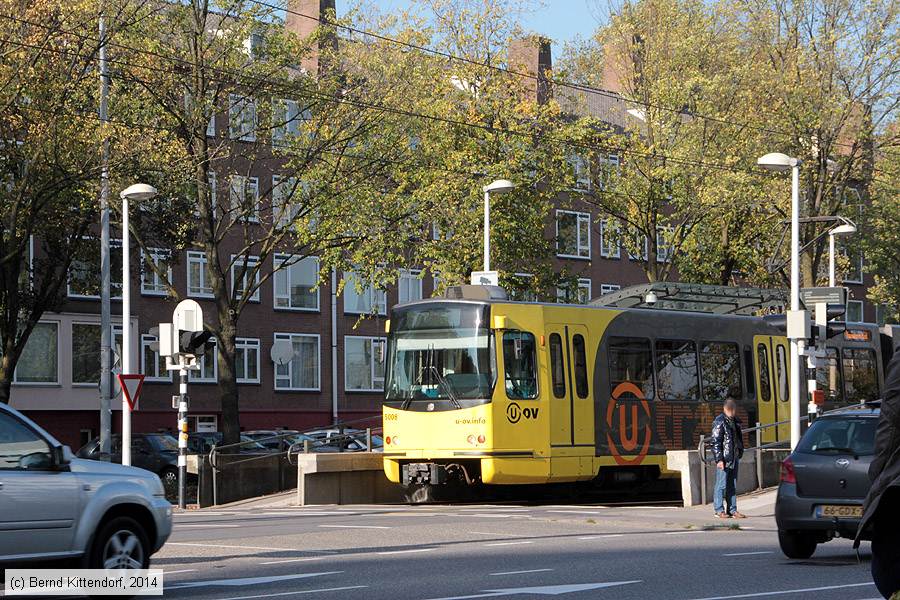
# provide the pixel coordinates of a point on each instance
(289, 122)
(409, 277)
(373, 339)
(662, 244)
(237, 105)
(252, 263)
(606, 244)
(376, 298)
(146, 340)
(194, 375)
(283, 335)
(580, 244)
(246, 345)
(113, 287)
(584, 284)
(239, 192)
(116, 337)
(607, 288)
(280, 271)
(156, 255)
(15, 381)
(196, 256)
(284, 209)
(862, 310)
(528, 296)
(846, 252)
(581, 166)
(646, 248)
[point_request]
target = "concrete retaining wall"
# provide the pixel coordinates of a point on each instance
(689, 464)
(344, 478)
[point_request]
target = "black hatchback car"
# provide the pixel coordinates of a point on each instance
(825, 481)
(156, 452)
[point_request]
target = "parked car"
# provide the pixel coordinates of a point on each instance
(54, 505)
(155, 452)
(825, 481)
(348, 440)
(201, 442)
(278, 440)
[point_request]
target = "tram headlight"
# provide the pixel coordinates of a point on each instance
(481, 439)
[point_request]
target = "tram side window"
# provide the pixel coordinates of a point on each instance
(676, 370)
(720, 366)
(828, 375)
(781, 372)
(860, 375)
(557, 368)
(581, 376)
(765, 386)
(748, 372)
(631, 360)
(520, 365)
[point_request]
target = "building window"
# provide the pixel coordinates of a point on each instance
(246, 360)
(363, 364)
(608, 288)
(639, 244)
(287, 119)
(409, 285)
(211, 125)
(854, 256)
(151, 283)
(301, 373)
(581, 168)
(854, 311)
(198, 275)
(573, 234)
(209, 365)
(85, 355)
(295, 282)
(242, 120)
(284, 206)
(244, 274)
(664, 247)
(582, 293)
(244, 198)
(362, 301)
(153, 366)
(39, 362)
(609, 240)
(609, 167)
(522, 288)
(84, 274)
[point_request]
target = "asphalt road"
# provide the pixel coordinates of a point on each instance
(497, 551)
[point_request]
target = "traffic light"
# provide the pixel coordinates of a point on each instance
(195, 342)
(833, 328)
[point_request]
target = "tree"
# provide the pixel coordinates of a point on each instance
(881, 242)
(50, 142)
(293, 109)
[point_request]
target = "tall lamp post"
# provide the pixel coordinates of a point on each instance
(498, 186)
(845, 229)
(775, 161)
(139, 192)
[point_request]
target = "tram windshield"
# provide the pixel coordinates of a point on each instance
(440, 351)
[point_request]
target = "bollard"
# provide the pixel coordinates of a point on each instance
(759, 466)
(306, 446)
(300, 479)
(368, 439)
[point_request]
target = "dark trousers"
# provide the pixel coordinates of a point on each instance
(886, 545)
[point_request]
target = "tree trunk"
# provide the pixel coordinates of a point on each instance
(5, 385)
(225, 338)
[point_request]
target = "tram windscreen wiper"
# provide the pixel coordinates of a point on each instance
(447, 386)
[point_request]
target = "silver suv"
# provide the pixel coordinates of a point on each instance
(53, 505)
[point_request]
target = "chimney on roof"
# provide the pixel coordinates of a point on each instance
(531, 57)
(304, 18)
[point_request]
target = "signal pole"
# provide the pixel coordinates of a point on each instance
(182, 433)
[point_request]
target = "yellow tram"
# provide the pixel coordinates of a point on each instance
(482, 390)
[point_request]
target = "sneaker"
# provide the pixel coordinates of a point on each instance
(737, 515)
(723, 515)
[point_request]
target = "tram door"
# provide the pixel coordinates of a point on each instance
(771, 359)
(571, 404)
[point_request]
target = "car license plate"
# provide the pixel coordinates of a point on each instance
(841, 511)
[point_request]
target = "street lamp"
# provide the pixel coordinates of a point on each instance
(498, 186)
(845, 229)
(775, 161)
(139, 192)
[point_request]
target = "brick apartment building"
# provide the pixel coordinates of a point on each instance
(57, 377)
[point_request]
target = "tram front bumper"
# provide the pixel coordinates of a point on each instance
(423, 473)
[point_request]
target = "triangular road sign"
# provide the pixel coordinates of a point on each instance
(131, 386)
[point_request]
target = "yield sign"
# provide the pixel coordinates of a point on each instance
(131, 387)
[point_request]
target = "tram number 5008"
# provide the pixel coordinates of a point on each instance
(515, 413)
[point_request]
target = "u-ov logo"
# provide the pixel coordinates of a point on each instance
(629, 437)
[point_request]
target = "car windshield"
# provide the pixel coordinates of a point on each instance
(440, 351)
(852, 435)
(164, 443)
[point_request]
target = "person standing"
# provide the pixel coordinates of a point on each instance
(880, 521)
(728, 448)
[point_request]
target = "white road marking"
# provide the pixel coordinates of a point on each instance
(242, 581)
(681, 532)
(510, 543)
(205, 525)
(292, 560)
(602, 537)
(522, 572)
(795, 591)
(488, 515)
(321, 590)
(179, 571)
(576, 512)
(748, 553)
(386, 552)
(304, 514)
(492, 533)
(217, 545)
(543, 590)
(355, 526)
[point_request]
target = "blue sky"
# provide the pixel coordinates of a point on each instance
(560, 20)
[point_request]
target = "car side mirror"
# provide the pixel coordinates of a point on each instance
(62, 456)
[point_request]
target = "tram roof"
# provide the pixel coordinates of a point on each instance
(696, 297)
